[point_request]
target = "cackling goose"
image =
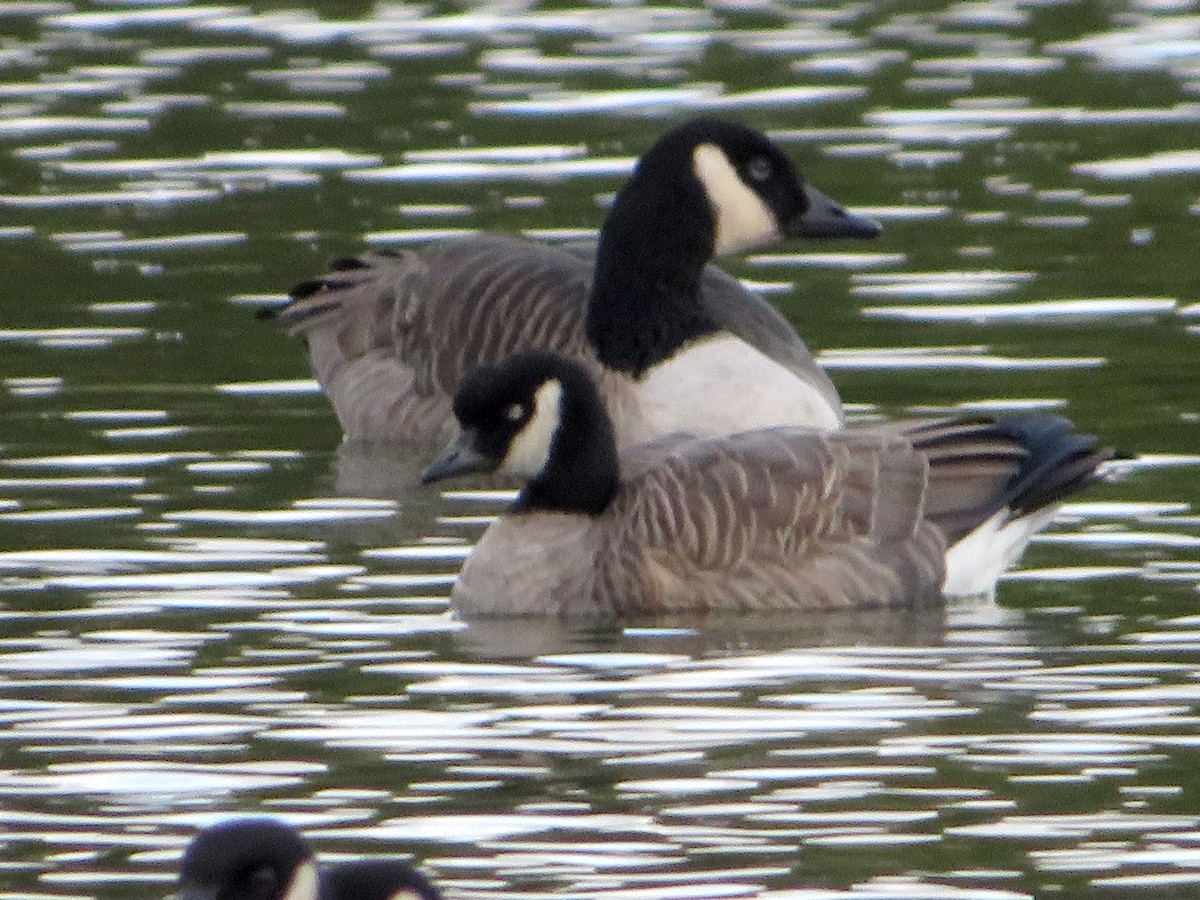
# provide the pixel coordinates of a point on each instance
(769, 519)
(264, 859)
(671, 341)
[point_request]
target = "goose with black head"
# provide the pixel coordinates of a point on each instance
(769, 519)
(668, 338)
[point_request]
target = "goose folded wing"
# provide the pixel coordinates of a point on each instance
(442, 311)
(772, 519)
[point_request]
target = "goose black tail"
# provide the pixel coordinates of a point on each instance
(1016, 465)
(1060, 461)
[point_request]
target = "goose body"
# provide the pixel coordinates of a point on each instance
(265, 859)
(667, 337)
(768, 519)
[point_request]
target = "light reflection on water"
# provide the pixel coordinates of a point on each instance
(745, 760)
(208, 608)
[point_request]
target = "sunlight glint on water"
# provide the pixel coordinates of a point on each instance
(211, 608)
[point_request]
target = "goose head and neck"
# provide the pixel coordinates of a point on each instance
(537, 416)
(266, 859)
(706, 188)
(248, 859)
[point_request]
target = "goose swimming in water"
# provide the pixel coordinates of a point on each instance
(768, 519)
(670, 341)
(264, 859)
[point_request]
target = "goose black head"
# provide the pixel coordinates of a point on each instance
(248, 859)
(376, 879)
(754, 192)
(538, 416)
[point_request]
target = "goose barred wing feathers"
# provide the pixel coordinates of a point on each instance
(790, 518)
(773, 519)
(391, 336)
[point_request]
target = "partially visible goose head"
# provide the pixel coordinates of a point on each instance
(265, 859)
(537, 416)
(248, 859)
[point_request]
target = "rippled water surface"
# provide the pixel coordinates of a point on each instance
(209, 608)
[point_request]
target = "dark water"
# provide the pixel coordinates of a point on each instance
(206, 610)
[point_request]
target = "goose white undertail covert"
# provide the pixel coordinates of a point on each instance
(768, 519)
(669, 340)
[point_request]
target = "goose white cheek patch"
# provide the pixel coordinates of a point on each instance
(530, 449)
(304, 883)
(743, 219)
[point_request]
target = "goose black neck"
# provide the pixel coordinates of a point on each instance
(645, 301)
(581, 474)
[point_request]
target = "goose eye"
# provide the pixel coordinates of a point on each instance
(515, 413)
(759, 168)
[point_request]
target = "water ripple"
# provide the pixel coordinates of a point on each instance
(227, 621)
